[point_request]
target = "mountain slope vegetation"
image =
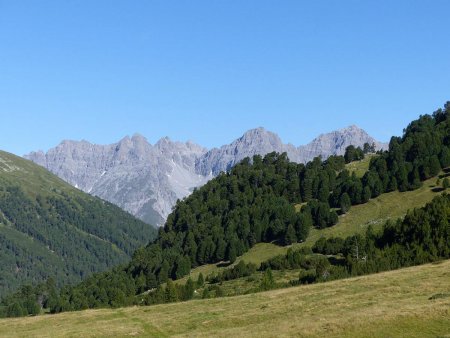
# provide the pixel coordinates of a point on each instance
(50, 229)
(254, 202)
(410, 302)
(273, 200)
(375, 213)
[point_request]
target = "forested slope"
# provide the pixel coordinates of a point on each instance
(50, 229)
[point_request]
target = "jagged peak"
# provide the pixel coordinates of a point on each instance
(352, 128)
(259, 133)
(125, 139)
(164, 141)
(138, 138)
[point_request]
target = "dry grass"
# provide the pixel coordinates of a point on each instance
(391, 304)
(360, 167)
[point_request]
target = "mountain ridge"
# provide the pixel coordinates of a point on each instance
(147, 180)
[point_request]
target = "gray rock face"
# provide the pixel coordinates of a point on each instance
(146, 180)
(255, 141)
(260, 141)
(334, 143)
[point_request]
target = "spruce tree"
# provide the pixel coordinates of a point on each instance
(171, 292)
(344, 203)
(445, 183)
(290, 237)
(200, 280)
(267, 281)
(189, 289)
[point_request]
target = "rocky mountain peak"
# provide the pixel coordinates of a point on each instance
(146, 179)
(260, 136)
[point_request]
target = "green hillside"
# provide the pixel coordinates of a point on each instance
(411, 302)
(50, 229)
(274, 201)
(375, 212)
(326, 220)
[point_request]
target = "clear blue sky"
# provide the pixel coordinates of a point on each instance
(209, 70)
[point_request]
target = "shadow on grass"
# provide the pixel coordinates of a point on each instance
(223, 264)
(336, 260)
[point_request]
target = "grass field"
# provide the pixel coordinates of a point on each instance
(360, 167)
(377, 211)
(411, 302)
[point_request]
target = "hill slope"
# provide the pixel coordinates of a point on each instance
(412, 302)
(50, 229)
(376, 212)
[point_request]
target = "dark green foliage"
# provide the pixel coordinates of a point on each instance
(200, 280)
(321, 214)
(290, 236)
(15, 310)
(422, 236)
(239, 270)
(368, 148)
(353, 154)
(444, 157)
(29, 300)
(445, 183)
(61, 235)
(267, 282)
(303, 225)
(294, 259)
(329, 246)
(345, 203)
(182, 267)
(419, 154)
(171, 292)
(189, 289)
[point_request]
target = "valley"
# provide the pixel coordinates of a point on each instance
(224, 169)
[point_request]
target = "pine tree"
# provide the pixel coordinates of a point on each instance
(171, 292)
(15, 310)
(290, 236)
(435, 166)
(267, 281)
(200, 280)
(302, 226)
(345, 203)
(231, 252)
(445, 183)
(189, 289)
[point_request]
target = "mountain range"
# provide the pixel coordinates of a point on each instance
(147, 180)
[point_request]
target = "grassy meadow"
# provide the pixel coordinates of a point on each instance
(411, 302)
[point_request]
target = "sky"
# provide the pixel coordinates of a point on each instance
(207, 71)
